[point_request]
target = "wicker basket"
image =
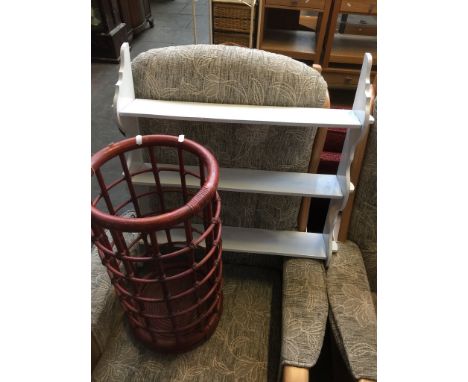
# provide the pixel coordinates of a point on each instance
(234, 25)
(231, 39)
(231, 11)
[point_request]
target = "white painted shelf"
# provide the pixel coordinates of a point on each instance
(255, 181)
(254, 240)
(213, 112)
(337, 187)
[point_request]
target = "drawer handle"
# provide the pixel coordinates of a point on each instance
(348, 79)
(294, 2)
(349, 5)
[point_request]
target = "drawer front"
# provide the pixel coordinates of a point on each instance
(314, 4)
(343, 79)
(232, 11)
(359, 6)
(231, 39)
(234, 25)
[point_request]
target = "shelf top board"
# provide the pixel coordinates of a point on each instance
(245, 114)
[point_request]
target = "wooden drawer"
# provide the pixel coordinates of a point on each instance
(368, 7)
(314, 4)
(338, 80)
(343, 79)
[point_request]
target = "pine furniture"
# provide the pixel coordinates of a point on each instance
(346, 43)
(285, 27)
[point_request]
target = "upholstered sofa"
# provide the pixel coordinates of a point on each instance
(275, 309)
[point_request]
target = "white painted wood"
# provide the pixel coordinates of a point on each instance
(124, 95)
(361, 108)
(255, 181)
(124, 91)
(253, 240)
(246, 114)
(128, 110)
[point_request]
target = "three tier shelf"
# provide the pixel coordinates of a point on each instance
(337, 187)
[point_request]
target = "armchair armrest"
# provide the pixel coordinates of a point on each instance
(305, 310)
(352, 315)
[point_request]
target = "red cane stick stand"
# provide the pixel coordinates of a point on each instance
(165, 264)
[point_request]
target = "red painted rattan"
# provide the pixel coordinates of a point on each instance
(170, 290)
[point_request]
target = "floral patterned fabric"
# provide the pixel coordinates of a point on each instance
(234, 75)
(352, 312)
(106, 312)
(363, 225)
(244, 347)
(305, 310)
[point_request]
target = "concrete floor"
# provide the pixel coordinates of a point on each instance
(172, 26)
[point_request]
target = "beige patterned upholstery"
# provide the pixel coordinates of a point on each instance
(234, 75)
(353, 315)
(238, 350)
(305, 311)
(248, 344)
(352, 312)
(363, 226)
(106, 312)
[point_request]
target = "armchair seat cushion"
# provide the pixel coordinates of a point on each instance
(244, 347)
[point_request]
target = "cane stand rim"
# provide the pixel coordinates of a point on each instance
(135, 224)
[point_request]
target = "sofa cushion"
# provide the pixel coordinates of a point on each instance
(244, 347)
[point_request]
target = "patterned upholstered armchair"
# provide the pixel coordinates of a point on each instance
(352, 275)
(275, 309)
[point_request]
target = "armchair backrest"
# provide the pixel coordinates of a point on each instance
(363, 226)
(234, 75)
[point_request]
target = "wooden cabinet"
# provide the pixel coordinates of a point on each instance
(136, 14)
(115, 21)
(347, 42)
(307, 4)
(295, 28)
(108, 30)
(364, 7)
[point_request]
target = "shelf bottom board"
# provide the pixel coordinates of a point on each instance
(254, 240)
